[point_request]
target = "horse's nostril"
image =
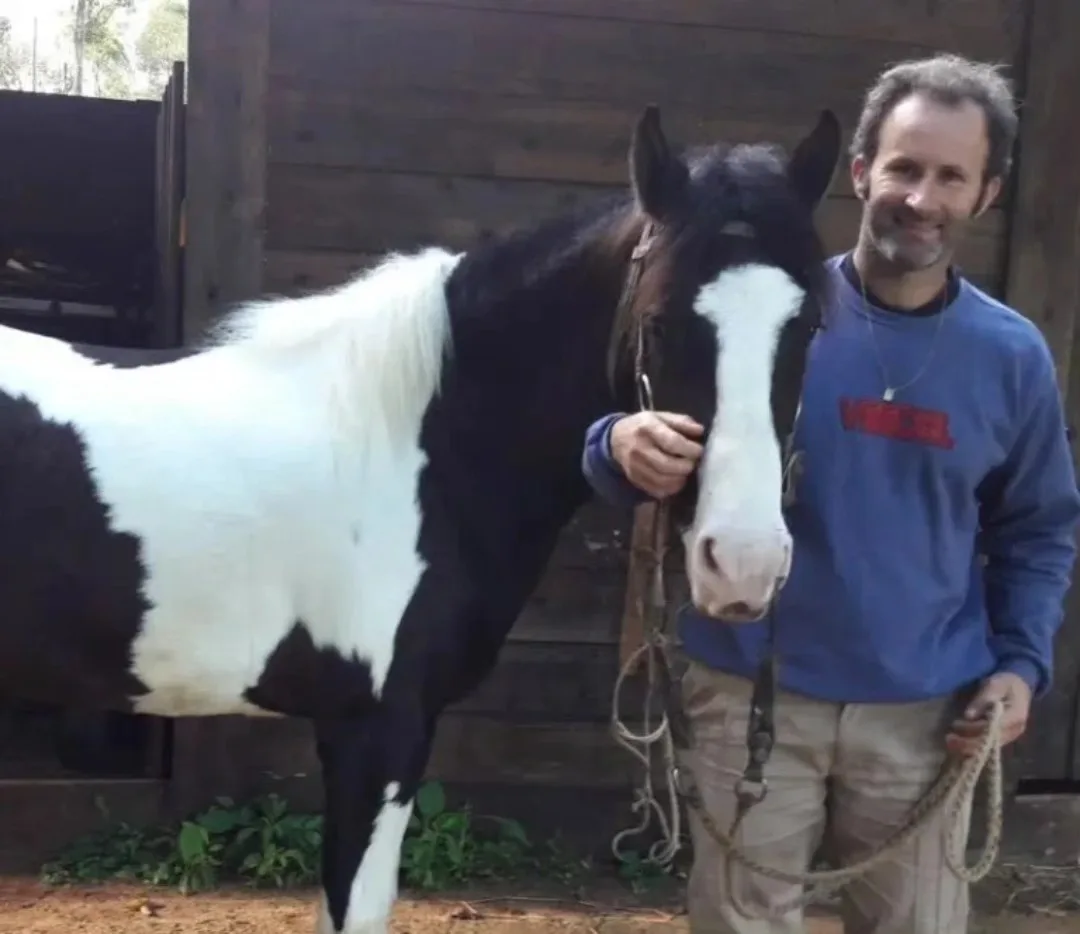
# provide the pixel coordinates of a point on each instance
(708, 556)
(737, 610)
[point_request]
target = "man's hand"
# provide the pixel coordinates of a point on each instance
(969, 729)
(656, 450)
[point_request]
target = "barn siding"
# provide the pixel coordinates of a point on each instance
(389, 125)
(392, 125)
(1042, 281)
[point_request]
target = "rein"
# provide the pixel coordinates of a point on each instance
(956, 786)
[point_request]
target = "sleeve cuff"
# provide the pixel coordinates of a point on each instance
(1029, 671)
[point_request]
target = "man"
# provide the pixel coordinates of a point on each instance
(931, 431)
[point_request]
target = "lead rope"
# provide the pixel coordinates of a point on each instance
(955, 788)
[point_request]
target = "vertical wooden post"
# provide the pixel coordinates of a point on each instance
(1043, 282)
(228, 65)
(222, 233)
(1044, 228)
(168, 322)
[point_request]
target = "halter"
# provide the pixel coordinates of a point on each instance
(761, 730)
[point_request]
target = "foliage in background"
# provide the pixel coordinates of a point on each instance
(263, 844)
(163, 40)
(108, 48)
(95, 29)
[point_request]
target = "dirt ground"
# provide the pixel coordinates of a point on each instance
(27, 907)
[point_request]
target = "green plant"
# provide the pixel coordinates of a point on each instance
(442, 847)
(262, 843)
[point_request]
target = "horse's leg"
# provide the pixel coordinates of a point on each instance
(371, 770)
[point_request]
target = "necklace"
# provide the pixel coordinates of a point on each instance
(890, 390)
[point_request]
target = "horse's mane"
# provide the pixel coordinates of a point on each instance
(377, 342)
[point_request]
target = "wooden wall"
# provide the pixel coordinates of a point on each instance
(323, 133)
(392, 124)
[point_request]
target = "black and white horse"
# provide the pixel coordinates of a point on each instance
(337, 508)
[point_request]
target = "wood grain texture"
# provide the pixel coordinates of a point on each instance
(228, 60)
(552, 682)
(468, 749)
(980, 28)
(1044, 284)
(1044, 231)
(767, 72)
(317, 209)
(491, 135)
(572, 605)
(168, 316)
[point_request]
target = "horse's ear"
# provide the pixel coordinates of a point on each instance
(815, 159)
(657, 175)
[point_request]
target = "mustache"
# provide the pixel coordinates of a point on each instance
(907, 214)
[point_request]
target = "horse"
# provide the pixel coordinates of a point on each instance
(335, 505)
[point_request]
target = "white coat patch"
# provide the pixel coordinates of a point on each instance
(271, 479)
(738, 518)
(375, 886)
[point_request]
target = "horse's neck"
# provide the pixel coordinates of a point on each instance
(525, 376)
(531, 358)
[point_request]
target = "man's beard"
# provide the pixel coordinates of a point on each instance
(901, 252)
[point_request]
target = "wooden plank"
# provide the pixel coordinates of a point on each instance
(979, 28)
(223, 228)
(1044, 284)
(319, 209)
(41, 818)
(374, 47)
(1044, 230)
(596, 537)
(168, 325)
(228, 53)
(1062, 706)
(467, 749)
(51, 143)
(572, 605)
(581, 819)
(1041, 830)
(491, 135)
(489, 749)
(553, 682)
(296, 272)
(481, 134)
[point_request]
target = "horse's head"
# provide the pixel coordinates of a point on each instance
(731, 291)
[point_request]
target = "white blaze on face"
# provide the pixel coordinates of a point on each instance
(738, 548)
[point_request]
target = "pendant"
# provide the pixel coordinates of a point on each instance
(888, 394)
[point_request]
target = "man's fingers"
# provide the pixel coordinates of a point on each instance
(683, 424)
(658, 487)
(665, 465)
(966, 735)
(671, 442)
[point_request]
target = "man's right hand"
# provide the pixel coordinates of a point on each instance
(656, 451)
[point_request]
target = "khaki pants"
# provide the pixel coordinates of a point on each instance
(842, 775)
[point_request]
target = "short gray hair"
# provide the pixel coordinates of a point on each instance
(950, 80)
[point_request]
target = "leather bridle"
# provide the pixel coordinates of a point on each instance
(761, 729)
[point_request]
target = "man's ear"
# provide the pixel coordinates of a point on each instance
(990, 191)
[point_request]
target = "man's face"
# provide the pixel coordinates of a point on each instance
(926, 183)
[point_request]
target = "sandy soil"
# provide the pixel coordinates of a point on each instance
(27, 907)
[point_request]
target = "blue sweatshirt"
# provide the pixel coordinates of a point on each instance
(888, 599)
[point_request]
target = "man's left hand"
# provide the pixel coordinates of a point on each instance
(1014, 692)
